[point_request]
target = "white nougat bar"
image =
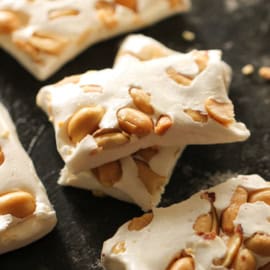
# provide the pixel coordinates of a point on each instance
(172, 101)
(224, 227)
(43, 35)
(25, 211)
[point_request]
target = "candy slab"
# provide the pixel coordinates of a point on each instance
(194, 109)
(43, 35)
(25, 211)
(224, 227)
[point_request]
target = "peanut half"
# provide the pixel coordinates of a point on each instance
(141, 100)
(196, 115)
(134, 122)
(137, 224)
(259, 243)
(147, 153)
(17, 203)
(119, 248)
(163, 125)
(177, 77)
(244, 260)
(2, 156)
(106, 13)
(84, 121)
(222, 112)
(131, 4)
(59, 13)
(111, 139)
(239, 197)
(109, 173)
(182, 262)
(152, 181)
(260, 195)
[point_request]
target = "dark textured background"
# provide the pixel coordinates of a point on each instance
(85, 221)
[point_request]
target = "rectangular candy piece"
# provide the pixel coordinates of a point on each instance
(43, 35)
(225, 227)
(106, 115)
(26, 214)
(141, 177)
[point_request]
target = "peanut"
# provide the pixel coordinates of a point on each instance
(109, 173)
(58, 13)
(84, 121)
(137, 224)
(203, 223)
(141, 100)
(111, 139)
(260, 195)
(196, 115)
(2, 156)
(177, 77)
(175, 3)
(17, 203)
(150, 52)
(183, 263)
(163, 124)
(239, 197)
(91, 88)
(259, 243)
(119, 248)
(134, 122)
(106, 13)
(201, 58)
(222, 112)
(152, 181)
(11, 21)
(131, 4)
(244, 260)
(147, 153)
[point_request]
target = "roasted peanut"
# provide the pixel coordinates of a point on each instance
(134, 122)
(222, 112)
(11, 20)
(131, 4)
(106, 13)
(119, 248)
(244, 260)
(177, 77)
(260, 195)
(259, 243)
(163, 124)
(17, 203)
(58, 13)
(147, 153)
(152, 181)
(137, 224)
(201, 58)
(2, 156)
(196, 115)
(111, 139)
(109, 173)
(203, 223)
(182, 263)
(84, 121)
(141, 100)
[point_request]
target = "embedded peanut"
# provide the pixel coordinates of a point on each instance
(2, 156)
(150, 52)
(134, 122)
(109, 173)
(184, 263)
(137, 224)
(163, 124)
(203, 223)
(106, 13)
(201, 58)
(244, 260)
(196, 115)
(111, 140)
(260, 195)
(147, 153)
(141, 100)
(131, 4)
(11, 20)
(177, 77)
(17, 203)
(259, 243)
(119, 248)
(151, 180)
(84, 121)
(58, 13)
(222, 112)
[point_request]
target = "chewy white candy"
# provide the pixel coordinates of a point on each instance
(43, 35)
(106, 115)
(25, 211)
(225, 227)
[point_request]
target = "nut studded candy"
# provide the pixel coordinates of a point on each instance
(43, 35)
(190, 235)
(25, 211)
(106, 115)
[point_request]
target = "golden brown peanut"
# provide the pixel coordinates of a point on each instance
(184, 263)
(260, 195)
(59, 13)
(152, 181)
(131, 4)
(111, 139)
(109, 173)
(147, 153)
(177, 77)
(17, 203)
(201, 58)
(244, 260)
(137, 224)
(239, 197)
(196, 115)
(203, 223)
(11, 20)
(134, 122)
(2, 156)
(163, 124)
(84, 121)
(119, 248)
(259, 243)
(141, 100)
(222, 112)
(106, 13)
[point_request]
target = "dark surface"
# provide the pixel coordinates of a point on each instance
(85, 221)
